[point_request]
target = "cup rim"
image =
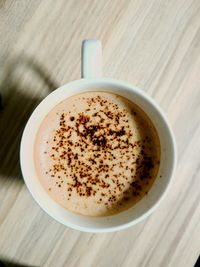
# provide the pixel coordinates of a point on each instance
(104, 81)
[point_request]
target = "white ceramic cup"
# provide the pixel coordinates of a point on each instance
(91, 81)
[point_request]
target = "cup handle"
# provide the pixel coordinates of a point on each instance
(91, 59)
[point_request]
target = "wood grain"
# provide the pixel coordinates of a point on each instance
(152, 44)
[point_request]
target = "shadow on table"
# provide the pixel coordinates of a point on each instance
(17, 103)
(5, 263)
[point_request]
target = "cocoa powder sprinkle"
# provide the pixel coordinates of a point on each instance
(103, 133)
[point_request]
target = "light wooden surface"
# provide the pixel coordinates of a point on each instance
(153, 44)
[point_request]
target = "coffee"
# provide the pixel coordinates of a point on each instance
(97, 153)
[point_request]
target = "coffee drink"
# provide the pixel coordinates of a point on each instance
(97, 153)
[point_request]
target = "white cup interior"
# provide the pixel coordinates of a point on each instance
(124, 219)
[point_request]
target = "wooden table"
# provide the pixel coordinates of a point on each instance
(152, 44)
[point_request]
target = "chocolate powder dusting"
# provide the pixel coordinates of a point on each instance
(97, 153)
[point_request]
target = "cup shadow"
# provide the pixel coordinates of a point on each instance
(17, 101)
(7, 263)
